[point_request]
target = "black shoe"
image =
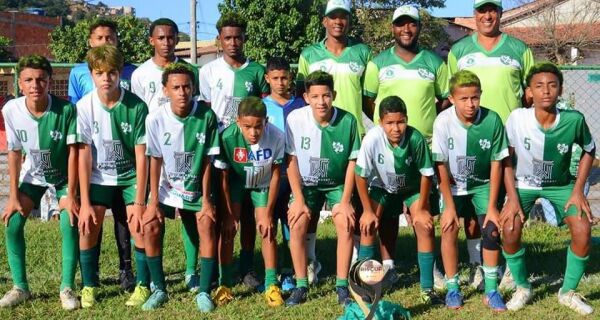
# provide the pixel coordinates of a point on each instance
(343, 295)
(251, 280)
(297, 297)
(126, 280)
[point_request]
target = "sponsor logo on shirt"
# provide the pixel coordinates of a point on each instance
(183, 165)
(562, 148)
(41, 161)
(318, 171)
(113, 150)
(338, 147)
(465, 167)
(55, 135)
(542, 171)
(395, 182)
(240, 155)
(485, 144)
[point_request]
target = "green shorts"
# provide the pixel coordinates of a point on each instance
(393, 203)
(473, 204)
(35, 193)
(557, 196)
(104, 195)
(170, 211)
(259, 197)
(315, 197)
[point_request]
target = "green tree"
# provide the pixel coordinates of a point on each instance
(70, 43)
(5, 54)
(55, 8)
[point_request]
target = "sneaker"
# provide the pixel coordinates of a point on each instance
(156, 299)
(139, 296)
(273, 296)
(88, 297)
(204, 302)
(439, 281)
(343, 295)
(297, 297)
(519, 298)
(223, 296)
(14, 297)
(126, 280)
(391, 276)
(430, 297)
(192, 282)
(288, 283)
(68, 299)
(575, 301)
(454, 299)
(494, 300)
(251, 280)
(313, 269)
(507, 283)
(476, 277)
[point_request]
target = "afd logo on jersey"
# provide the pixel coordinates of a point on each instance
(242, 155)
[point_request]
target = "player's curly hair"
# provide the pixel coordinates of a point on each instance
(464, 78)
(252, 107)
(231, 19)
(102, 22)
(177, 68)
(544, 67)
(34, 61)
(391, 104)
(318, 78)
(105, 58)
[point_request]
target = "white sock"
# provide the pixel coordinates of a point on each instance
(474, 248)
(311, 243)
(355, 246)
(388, 264)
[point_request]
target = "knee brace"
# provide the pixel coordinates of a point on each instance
(490, 237)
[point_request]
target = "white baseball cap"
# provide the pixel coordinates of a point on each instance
(333, 5)
(408, 11)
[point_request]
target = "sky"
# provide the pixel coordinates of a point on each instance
(207, 12)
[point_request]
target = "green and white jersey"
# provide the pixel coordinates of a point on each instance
(183, 144)
(419, 83)
(146, 83)
(469, 150)
(43, 140)
(502, 71)
(323, 152)
(542, 155)
(395, 169)
(347, 70)
(224, 87)
(250, 164)
(112, 134)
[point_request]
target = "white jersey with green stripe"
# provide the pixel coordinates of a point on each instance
(250, 164)
(543, 156)
(469, 150)
(183, 144)
(418, 82)
(43, 139)
(112, 134)
(347, 70)
(397, 169)
(323, 153)
(502, 71)
(224, 87)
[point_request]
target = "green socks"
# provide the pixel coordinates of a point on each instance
(141, 266)
(191, 243)
(15, 250)
(341, 282)
(425, 261)
(366, 251)
(157, 274)
(89, 267)
(70, 251)
(490, 278)
(270, 277)
(207, 267)
(516, 263)
(452, 283)
(246, 261)
(226, 271)
(302, 283)
(574, 271)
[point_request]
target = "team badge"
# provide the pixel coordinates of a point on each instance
(425, 74)
(240, 155)
(55, 135)
(505, 60)
(562, 148)
(126, 127)
(408, 161)
(201, 137)
(338, 147)
(484, 144)
(249, 86)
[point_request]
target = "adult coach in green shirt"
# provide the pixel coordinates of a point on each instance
(418, 76)
(341, 56)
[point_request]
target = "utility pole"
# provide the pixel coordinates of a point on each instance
(193, 52)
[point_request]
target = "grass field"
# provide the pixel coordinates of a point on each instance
(546, 259)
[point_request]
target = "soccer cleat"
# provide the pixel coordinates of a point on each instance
(519, 299)
(343, 295)
(439, 281)
(68, 299)
(204, 302)
(454, 299)
(139, 296)
(391, 276)
(476, 277)
(223, 296)
(192, 282)
(251, 280)
(88, 297)
(494, 300)
(575, 301)
(156, 299)
(273, 296)
(313, 268)
(288, 284)
(14, 296)
(126, 280)
(507, 283)
(430, 297)
(297, 297)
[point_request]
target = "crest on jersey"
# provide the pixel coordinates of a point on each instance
(56, 135)
(183, 161)
(469, 60)
(249, 86)
(126, 127)
(505, 60)
(485, 144)
(389, 73)
(465, 166)
(542, 170)
(113, 150)
(562, 148)
(318, 168)
(125, 84)
(354, 67)
(395, 182)
(426, 74)
(338, 147)
(41, 161)
(408, 160)
(201, 137)
(240, 155)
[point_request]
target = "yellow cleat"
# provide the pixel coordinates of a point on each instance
(273, 296)
(223, 296)
(138, 297)
(88, 297)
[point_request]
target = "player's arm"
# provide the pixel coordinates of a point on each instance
(442, 104)
(422, 215)
(441, 88)
(449, 218)
(369, 221)
(370, 89)
(273, 189)
(577, 197)
(369, 107)
(14, 168)
(231, 218)
(345, 205)
(87, 215)
(298, 207)
(72, 206)
(141, 180)
(512, 207)
(208, 207)
(152, 212)
(495, 180)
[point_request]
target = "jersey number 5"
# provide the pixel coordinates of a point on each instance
(527, 143)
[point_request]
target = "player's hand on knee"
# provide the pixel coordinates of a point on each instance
(449, 220)
(134, 217)
(368, 223)
(264, 226)
(229, 228)
(423, 219)
(87, 217)
(72, 206)
(296, 210)
(511, 210)
(492, 216)
(580, 202)
(13, 206)
(346, 210)
(153, 212)
(208, 210)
